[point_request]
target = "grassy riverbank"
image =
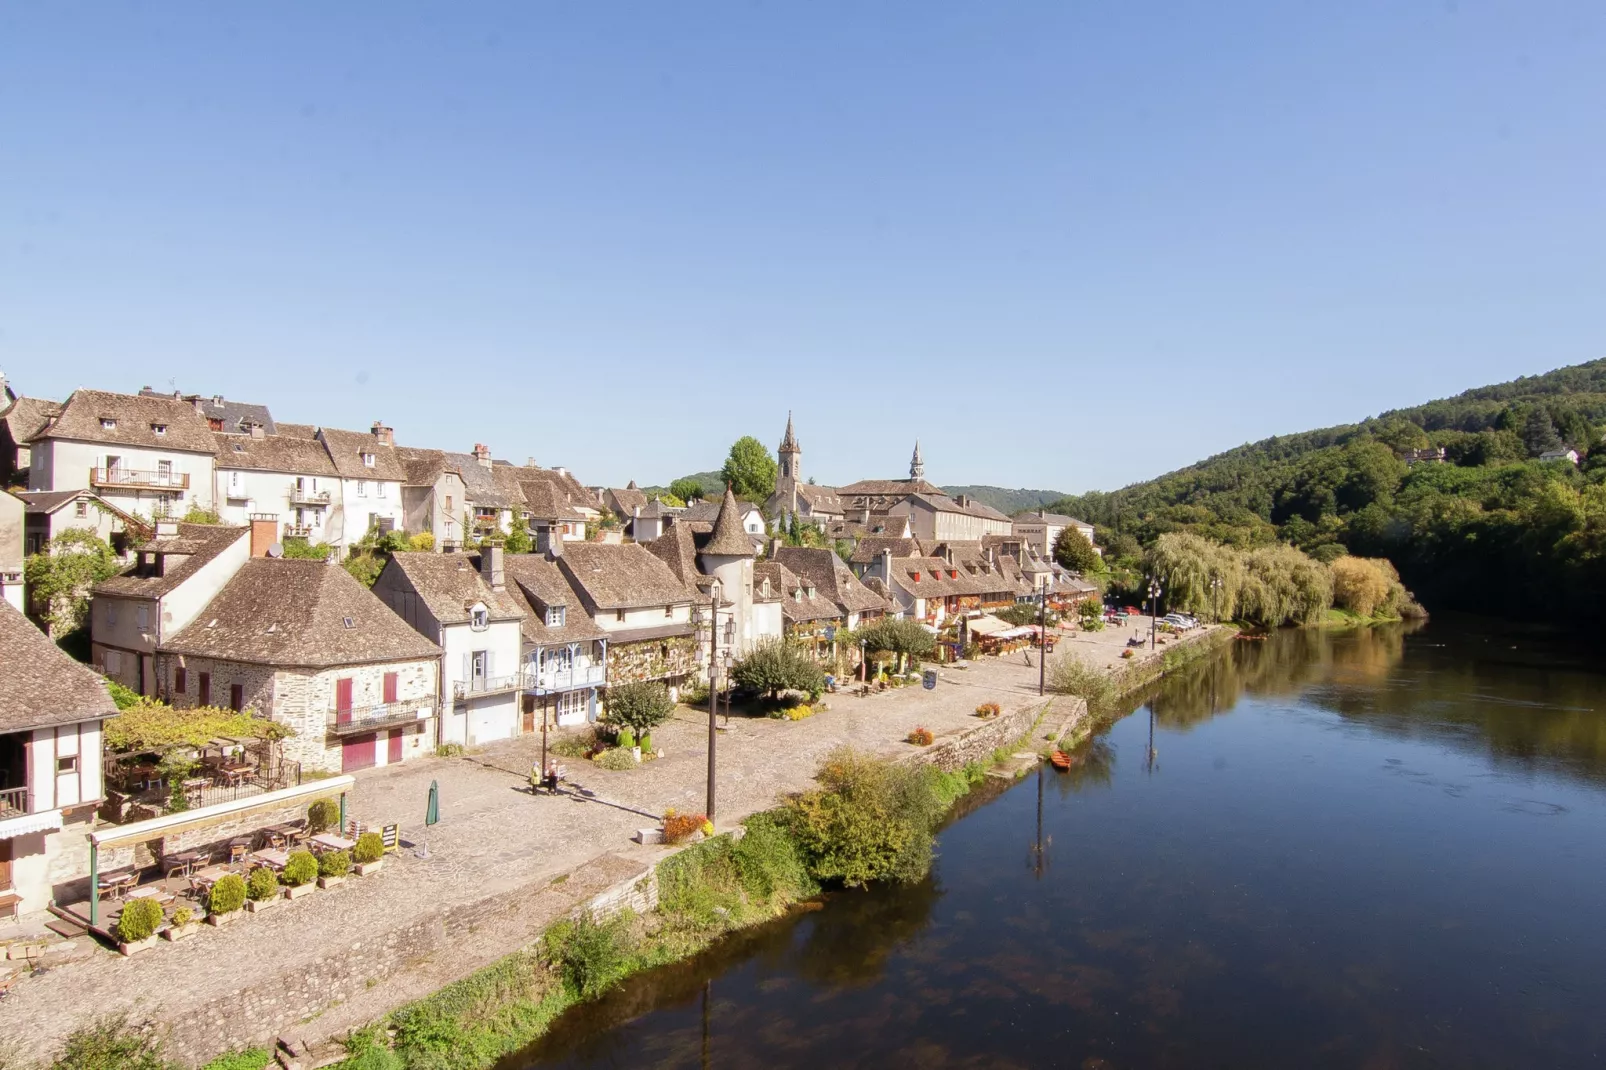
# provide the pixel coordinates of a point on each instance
(1105, 691)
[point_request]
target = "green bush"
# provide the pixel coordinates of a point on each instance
(645, 743)
(302, 868)
(627, 738)
(249, 1059)
(617, 760)
(769, 861)
(182, 917)
(639, 706)
(591, 955)
(110, 1043)
(450, 750)
(334, 863)
(139, 920)
(871, 820)
(774, 666)
(228, 895)
(322, 816)
(370, 848)
(262, 884)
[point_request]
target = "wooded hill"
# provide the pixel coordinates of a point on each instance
(1491, 529)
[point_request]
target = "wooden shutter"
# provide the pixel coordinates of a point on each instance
(390, 687)
(180, 680)
(343, 700)
(205, 684)
(236, 697)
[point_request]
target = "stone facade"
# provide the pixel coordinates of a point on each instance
(954, 751)
(671, 660)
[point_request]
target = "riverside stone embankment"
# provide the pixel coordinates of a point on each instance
(501, 867)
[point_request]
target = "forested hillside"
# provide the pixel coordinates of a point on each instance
(1492, 528)
(1008, 501)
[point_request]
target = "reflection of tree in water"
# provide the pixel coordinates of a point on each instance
(1092, 765)
(849, 942)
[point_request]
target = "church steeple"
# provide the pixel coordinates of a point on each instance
(917, 464)
(791, 456)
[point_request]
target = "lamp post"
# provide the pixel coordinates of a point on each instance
(1154, 608)
(1215, 592)
(713, 689)
(1042, 639)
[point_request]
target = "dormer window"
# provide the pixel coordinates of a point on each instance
(554, 616)
(108, 424)
(158, 430)
(479, 618)
(368, 460)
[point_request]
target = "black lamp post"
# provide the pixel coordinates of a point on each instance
(1154, 608)
(1042, 639)
(713, 689)
(1215, 590)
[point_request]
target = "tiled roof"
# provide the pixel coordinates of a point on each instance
(621, 576)
(285, 612)
(235, 417)
(820, 499)
(347, 447)
(48, 501)
(134, 421)
(869, 549)
(1056, 519)
(797, 603)
(730, 539)
(626, 500)
(297, 430)
(202, 542)
(423, 467)
(937, 579)
(885, 487)
(26, 417)
(772, 571)
(543, 500)
(831, 577)
(941, 503)
(677, 548)
(273, 453)
(450, 584)
(39, 684)
(537, 584)
(480, 485)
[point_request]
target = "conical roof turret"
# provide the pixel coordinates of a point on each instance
(917, 464)
(729, 538)
(789, 440)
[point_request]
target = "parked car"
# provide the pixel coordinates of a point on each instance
(1180, 620)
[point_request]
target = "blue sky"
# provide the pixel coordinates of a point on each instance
(1066, 245)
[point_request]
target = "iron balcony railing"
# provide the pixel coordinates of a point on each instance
(382, 715)
(298, 531)
(567, 679)
(136, 477)
(300, 496)
(490, 685)
(13, 802)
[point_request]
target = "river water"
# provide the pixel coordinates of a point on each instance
(1374, 849)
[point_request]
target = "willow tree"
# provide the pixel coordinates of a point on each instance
(1187, 566)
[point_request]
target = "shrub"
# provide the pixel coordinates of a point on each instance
(110, 1044)
(301, 869)
(679, 827)
(988, 709)
(773, 666)
(616, 760)
(889, 636)
(575, 746)
(769, 862)
(798, 713)
(921, 737)
(592, 955)
(139, 920)
(249, 1059)
(334, 863)
(182, 917)
(645, 743)
(627, 738)
(262, 884)
(870, 820)
(450, 750)
(228, 895)
(639, 706)
(322, 816)
(370, 848)
(694, 694)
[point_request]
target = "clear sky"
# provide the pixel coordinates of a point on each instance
(1067, 245)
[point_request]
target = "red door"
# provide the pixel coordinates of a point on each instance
(357, 752)
(394, 756)
(343, 701)
(205, 697)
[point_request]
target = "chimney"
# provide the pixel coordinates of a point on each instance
(775, 547)
(964, 500)
(866, 520)
(549, 541)
(529, 462)
(886, 566)
(264, 533)
(482, 454)
(200, 406)
(383, 435)
(257, 430)
(560, 470)
(491, 567)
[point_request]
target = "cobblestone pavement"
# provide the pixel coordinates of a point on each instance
(494, 836)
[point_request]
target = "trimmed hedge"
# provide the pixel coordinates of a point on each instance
(139, 920)
(301, 869)
(262, 884)
(334, 863)
(228, 895)
(370, 848)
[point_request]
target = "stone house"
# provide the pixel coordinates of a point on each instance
(48, 513)
(939, 518)
(642, 609)
(21, 419)
(305, 644)
(290, 478)
(461, 603)
(1038, 531)
(370, 475)
(565, 651)
(809, 620)
(623, 502)
(13, 527)
(856, 604)
(434, 497)
(51, 713)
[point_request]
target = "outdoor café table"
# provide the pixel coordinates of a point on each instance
(151, 891)
(233, 774)
(181, 863)
(274, 860)
(328, 841)
(203, 879)
(282, 835)
(116, 884)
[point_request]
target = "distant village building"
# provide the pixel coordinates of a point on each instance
(795, 498)
(1040, 530)
(1568, 455)
(1430, 455)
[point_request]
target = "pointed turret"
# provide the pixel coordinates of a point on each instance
(790, 455)
(789, 440)
(917, 464)
(729, 538)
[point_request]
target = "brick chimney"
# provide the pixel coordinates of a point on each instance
(258, 431)
(491, 570)
(383, 435)
(264, 533)
(482, 454)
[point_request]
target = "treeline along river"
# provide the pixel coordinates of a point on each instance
(1372, 849)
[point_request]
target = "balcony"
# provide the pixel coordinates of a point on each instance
(139, 478)
(298, 531)
(13, 802)
(300, 496)
(552, 680)
(489, 685)
(360, 719)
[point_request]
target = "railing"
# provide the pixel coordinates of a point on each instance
(134, 477)
(13, 802)
(298, 531)
(383, 715)
(490, 685)
(298, 496)
(568, 679)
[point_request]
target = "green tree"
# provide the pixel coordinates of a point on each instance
(773, 666)
(687, 489)
(640, 706)
(302, 549)
(518, 539)
(60, 577)
(1539, 433)
(749, 469)
(901, 636)
(1073, 551)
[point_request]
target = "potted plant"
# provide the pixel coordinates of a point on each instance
(223, 903)
(322, 816)
(333, 867)
(136, 926)
(921, 737)
(299, 874)
(183, 924)
(369, 854)
(261, 890)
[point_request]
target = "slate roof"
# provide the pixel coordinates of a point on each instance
(293, 613)
(39, 684)
(656, 509)
(26, 417)
(422, 466)
(450, 584)
(480, 485)
(869, 549)
(886, 487)
(235, 417)
(677, 548)
(535, 583)
(937, 579)
(941, 503)
(627, 500)
(831, 577)
(48, 501)
(820, 499)
(347, 447)
(544, 501)
(297, 430)
(134, 416)
(202, 542)
(1056, 519)
(775, 573)
(797, 604)
(273, 453)
(621, 576)
(730, 539)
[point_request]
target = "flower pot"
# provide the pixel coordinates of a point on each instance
(257, 906)
(299, 890)
(635, 752)
(330, 882)
(138, 945)
(363, 869)
(180, 932)
(222, 919)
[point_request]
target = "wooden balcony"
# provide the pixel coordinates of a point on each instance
(299, 496)
(13, 802)
(139, 478)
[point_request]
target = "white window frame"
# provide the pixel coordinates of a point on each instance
(572, 702)
(555, 616)
(362, 488)
(479, 618)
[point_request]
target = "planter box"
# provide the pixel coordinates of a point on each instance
(222, 919)
(257, 906)
(300, 890)
(138, 946)
(330, 882)
(180, 932)
(363, 869)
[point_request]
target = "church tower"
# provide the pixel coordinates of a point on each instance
(917, 464)
(790, 455)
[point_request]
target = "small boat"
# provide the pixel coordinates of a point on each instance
(1060, 760)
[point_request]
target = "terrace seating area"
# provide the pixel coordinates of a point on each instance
(224, 770)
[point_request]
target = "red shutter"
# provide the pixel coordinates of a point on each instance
(390, 687)
(343, 700)
(179, 681)
(205, 683)
(236, 697)
(393, 752)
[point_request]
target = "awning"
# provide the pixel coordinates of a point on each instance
(986, 624)
(27, 824)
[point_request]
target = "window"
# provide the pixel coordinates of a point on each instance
(368, 460)
(113, 661)
(554, 616)
(620, 616)
(164, 471)
(669, 611)
(571, 703)
(362, 488)
(108, 424)
(142, 617)
(479, 618)
(379, 490)
(448, 503)
(80, 509)
(111, 614)
(390, 687)
(158, 429)
(204, 684)
(236, 697)
(180, 679)
(67, 764)
(477, 664)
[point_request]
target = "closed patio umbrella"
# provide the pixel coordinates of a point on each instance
(432, 812)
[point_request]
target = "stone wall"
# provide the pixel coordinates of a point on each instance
(954, 750)
(652, 659)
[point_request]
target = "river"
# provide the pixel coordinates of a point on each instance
(1371, 849)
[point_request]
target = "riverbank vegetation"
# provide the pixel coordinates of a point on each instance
(1105, 692)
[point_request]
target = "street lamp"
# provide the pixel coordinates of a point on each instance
(1154, 607)
(1215, 591)
(1042, 638)
(713, 689)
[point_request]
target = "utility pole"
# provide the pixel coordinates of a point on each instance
(1215, 590)
(1042, 639)
(713, 691)
(1154, 608)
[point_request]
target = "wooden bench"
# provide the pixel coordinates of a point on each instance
(8, 904)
